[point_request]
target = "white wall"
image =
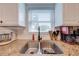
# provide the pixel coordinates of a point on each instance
(21, 13)
(58, 14)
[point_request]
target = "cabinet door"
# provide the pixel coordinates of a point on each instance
(9, 14)
(71, 14)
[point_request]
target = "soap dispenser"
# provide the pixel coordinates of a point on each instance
(33, 37)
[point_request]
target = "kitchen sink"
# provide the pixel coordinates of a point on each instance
(48, 47)
(44, 47)
(31, 47)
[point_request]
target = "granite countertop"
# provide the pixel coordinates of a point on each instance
(68, 49)
(14, 48)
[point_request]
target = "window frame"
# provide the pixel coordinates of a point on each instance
(52, 21)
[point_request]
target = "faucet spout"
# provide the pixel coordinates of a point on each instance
(39, 37)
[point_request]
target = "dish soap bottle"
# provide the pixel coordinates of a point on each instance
(33, 37)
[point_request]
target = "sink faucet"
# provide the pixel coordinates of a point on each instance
(39, 38)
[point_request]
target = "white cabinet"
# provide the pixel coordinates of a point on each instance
(71, 14)
(67, 14)
(9, 14)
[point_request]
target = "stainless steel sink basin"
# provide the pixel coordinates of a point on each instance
(45, 47)
(31, 47)
(48, 47)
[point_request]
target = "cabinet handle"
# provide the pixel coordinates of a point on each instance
(1, 21)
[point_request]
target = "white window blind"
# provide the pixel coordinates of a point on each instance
(40, 18)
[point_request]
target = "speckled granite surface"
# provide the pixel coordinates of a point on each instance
(69, 50)
(13, 49)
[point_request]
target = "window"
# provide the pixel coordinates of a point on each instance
(40, 18)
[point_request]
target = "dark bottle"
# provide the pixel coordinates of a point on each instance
(33, 37)
(39, 34)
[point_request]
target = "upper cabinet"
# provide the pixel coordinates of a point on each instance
(67, 14)
(12, 14)
(71, 14)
